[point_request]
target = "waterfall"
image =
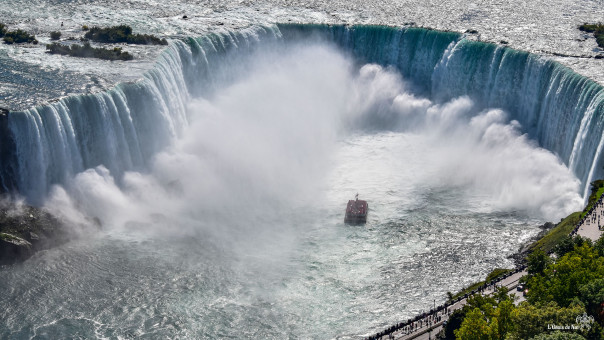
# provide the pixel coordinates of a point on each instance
(558, 108)
(123, 128)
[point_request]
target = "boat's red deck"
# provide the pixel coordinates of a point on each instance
(356, 207)
(356, 211)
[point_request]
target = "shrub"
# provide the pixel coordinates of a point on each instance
(19, 36)
(55, 35)
(87, 51)
(597, 30)
(122, 34)
(2, 30)
(589, 28)
(496, 273)
(600, 40)
(145, 39)
(85, 28)
(115, 34)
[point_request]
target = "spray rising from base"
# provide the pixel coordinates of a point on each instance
(238, 223)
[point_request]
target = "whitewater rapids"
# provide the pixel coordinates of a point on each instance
(223, 203)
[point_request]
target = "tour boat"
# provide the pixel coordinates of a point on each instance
(356, 211)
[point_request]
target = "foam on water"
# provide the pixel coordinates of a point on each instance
(220, 167)
(554, 106)
(517, 22)
(221, 181)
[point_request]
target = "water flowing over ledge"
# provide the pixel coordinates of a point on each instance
(124, 127)
(558, 108)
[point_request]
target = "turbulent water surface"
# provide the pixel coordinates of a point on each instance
(235, 229)
(220, 179)
(543, 27)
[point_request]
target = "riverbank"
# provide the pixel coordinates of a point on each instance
(552, 235)
(533, 261)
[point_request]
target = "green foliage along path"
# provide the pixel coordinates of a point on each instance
(559, 291)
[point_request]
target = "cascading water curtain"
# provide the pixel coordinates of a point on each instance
(124, 127)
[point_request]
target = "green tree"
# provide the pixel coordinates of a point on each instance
(560, 281)
(566, 245)
(537, 261)
(474, 327)
(454, 323)
(592, 294)
(557, 335)
(502, 294)
(484, 303)
(531, 320)
(449, 296)
(494, 319)
(503, 313)
(599, 246)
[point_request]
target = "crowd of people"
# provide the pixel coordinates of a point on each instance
(595, 218)
(591, 217)
(434, 317)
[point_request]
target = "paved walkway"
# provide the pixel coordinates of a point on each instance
(590, 227)
(427, 327)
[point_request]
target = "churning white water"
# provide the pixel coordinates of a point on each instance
(236, 227)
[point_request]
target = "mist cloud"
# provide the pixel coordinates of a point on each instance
(256, 153)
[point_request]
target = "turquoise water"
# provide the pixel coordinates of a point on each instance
(301, 274)
(221, 180)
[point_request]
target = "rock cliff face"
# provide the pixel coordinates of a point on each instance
(13, 248)
(25, 230)
(7, 156)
